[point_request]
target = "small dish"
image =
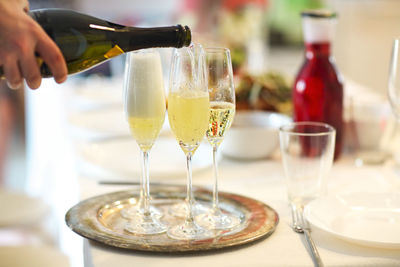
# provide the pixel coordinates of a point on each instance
(370, 219)
(254, 134)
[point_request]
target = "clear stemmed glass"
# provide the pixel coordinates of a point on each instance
(394, 79)
(188, 114)
(145, 112)
(222, 109)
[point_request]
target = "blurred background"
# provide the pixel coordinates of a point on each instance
(265, 38)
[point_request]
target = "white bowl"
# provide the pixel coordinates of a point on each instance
(368, 122)
(253, 135)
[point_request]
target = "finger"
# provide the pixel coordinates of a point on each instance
(52, 56)
(30, 71)
(12, 74)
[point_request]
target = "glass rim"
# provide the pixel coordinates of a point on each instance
(144, 51)
(290, 128)
(216, 49)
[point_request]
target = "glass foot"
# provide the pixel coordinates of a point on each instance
(146, 225)
(181, 209)
(218, 220)
(189, 231)
(136, 211)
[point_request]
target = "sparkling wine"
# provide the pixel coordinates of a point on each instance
(221, 117)
(144, 97)
(145, 130)
(188, 115)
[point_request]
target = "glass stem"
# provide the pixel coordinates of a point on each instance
(215, 189)
(190, 198)
(145, 183)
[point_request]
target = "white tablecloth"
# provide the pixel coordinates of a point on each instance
(262, 180)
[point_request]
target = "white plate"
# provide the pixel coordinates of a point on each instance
(99, 123)
(20, 209)
(32, 256)
(371, 219)
(97, 92)
(166, 159)
(103, 123)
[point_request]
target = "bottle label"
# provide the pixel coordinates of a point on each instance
(113, 52)
(39, 61)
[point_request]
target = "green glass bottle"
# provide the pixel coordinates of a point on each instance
(86, 41)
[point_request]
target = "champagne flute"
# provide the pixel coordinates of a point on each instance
(195, 52)
(188, 114)
(222, 109)
(394, 79)
(394, 91)
(145, 112)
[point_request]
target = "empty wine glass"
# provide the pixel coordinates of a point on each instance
(145, 112)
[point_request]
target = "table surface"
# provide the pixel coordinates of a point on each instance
(262, 179)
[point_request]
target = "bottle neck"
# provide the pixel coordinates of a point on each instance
(173, 36)
(318, 33)
(318, 50)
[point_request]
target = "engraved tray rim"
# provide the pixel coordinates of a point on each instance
(82, 219)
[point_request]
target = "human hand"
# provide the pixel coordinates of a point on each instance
(20, 38)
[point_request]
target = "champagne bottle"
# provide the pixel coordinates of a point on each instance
(86, 41)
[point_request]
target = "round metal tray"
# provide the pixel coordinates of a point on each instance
(99, 219)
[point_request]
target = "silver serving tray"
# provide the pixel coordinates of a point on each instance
(99, 219)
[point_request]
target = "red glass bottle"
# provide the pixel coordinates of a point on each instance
(318, 89)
